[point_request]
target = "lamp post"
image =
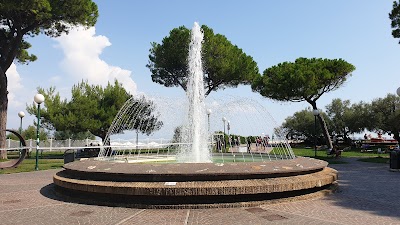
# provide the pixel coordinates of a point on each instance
(224, 120)
(228, 126)
(208, 117)
(398, 93)
(39, 99)
(137, 139)
(21, 115)
(315, 113)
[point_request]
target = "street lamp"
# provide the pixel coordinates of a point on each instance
(229, 128)
(21, 115)
(315, 113)
(208, 117)
(137, 139)
(224, 120)
(39, 99)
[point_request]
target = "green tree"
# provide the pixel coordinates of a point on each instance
(301, 125)
(224, 64)
(339, 112)
(139, 114)
(91, 108)
(357, 118)
(30, 133)
(395, 17)
(304, 80)
(64, 135)
(23, 19)
(177, 134)
(385, 115)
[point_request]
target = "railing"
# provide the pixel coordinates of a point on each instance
(57, 145)
(156, 150)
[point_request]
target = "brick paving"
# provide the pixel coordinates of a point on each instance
(368, 194)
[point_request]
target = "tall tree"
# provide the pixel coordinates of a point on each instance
(28, 18)
(139, 114)
(91, 108)
(304, 80)
(385, 115)
(339, 112)
(225, 65)
(395, 17)
(30, 133)
(358, 118)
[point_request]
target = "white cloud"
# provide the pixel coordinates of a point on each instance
(14, 85)
(82, 49)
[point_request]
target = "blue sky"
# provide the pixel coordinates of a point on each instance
(270, 31)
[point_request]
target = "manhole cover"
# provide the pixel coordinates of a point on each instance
(255, 210)
(12, 201)
(273, 217)
(81, 213)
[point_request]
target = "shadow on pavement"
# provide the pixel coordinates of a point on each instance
(368, 187)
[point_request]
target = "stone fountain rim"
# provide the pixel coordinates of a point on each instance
(290, 167)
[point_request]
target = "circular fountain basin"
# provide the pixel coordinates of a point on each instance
(195, 185)
(216, 158)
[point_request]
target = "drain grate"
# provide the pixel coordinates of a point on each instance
(81, 213)
(273, 217)
(255, 210)
(12, 201)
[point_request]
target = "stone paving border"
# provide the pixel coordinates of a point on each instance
(92, 169)
(213, 202)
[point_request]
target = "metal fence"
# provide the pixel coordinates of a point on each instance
(57, 145)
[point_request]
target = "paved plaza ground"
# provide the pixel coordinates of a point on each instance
(368, 194)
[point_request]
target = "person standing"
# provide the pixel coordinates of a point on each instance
(248, 144)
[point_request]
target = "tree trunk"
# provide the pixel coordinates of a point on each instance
(325, 131)
(3, 113)
(323, 125)
(103, 139)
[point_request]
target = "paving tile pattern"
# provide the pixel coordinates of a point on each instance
(368, 194)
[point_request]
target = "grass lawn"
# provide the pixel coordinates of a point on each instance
(308, 152)
(321, 154)
(28, 165)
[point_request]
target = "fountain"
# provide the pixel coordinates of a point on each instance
(194, 131)
(190, 179)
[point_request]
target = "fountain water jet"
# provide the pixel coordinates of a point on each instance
(194, 130)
